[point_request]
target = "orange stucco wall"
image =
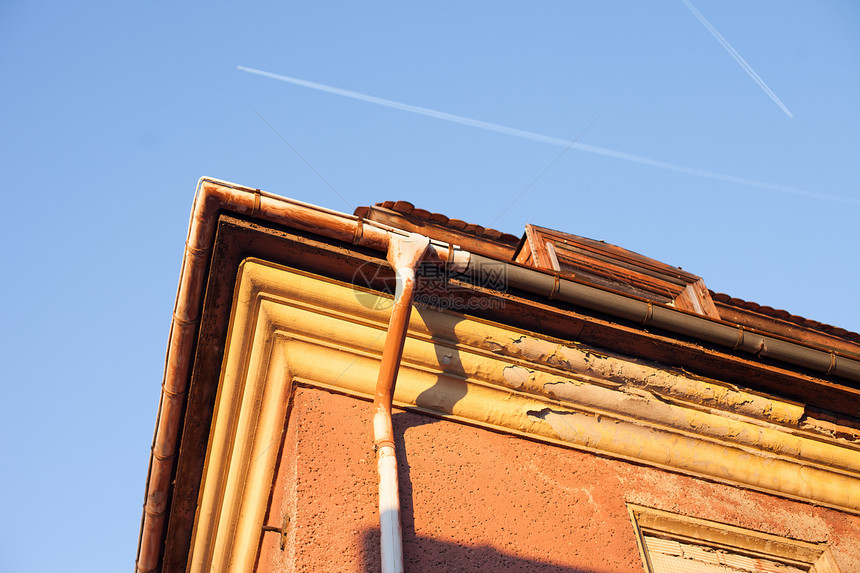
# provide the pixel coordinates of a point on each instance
(475, 500)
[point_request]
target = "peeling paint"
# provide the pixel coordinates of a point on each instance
(562, 427)
(493, 345)
(652, 379)
(643, 408)
(836, 431)
(517, 376)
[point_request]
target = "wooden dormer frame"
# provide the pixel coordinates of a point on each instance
(616, 268)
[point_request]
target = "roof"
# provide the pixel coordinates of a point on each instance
(502, 245)
(407, 209)
(783, 316)
(232, 224)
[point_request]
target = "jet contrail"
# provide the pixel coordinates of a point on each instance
(546, 139)
(412, 108)
(747, 68)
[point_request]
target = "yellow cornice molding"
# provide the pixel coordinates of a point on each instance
(292, 327)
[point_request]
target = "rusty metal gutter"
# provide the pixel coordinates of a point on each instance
(214, 196)
(731, 336)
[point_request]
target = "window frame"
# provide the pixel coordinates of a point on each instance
(716, 535)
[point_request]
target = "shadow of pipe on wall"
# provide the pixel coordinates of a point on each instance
(422, 554)
(442, 396)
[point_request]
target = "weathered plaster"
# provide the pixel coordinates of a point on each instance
(290, 328)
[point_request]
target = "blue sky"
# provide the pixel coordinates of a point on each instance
(110, 113)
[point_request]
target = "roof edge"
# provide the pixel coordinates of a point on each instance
(213, 196)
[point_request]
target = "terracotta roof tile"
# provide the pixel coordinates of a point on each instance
(492, 234)
(408, 209)
(785, 315)
(437, 218)
(457, 224)
(404, 207)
